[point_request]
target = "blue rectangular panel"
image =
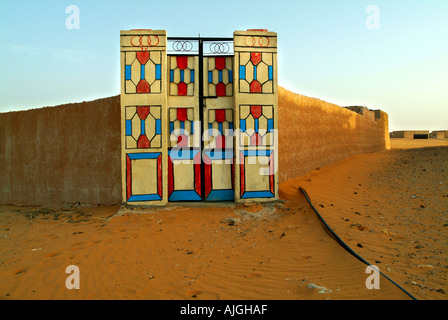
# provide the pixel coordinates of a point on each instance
(144, 197)
(256, 125)
(221, 195)
(210, 77)
(184, 195)
(270, 125)
(230, 76)
(242, 124)
(171, 126)
(271, 73)
(251, 153)
(192, 75)
(142, 127)
(243, 72)
(220, 75)
(171, 75)
(257, 194)
(182, 154)
(127, 72)
(146, 155)
(142, 71)
(255, 72)
(158, 126)
(181, 75)
(129, 127)
(158, 71)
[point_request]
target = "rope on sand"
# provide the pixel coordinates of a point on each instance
(345, 246)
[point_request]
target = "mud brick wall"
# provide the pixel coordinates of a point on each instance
(314, 133)
(61, 155)
(70, 154)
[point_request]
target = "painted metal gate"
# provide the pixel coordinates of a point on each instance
(199, 117)
(200, 106)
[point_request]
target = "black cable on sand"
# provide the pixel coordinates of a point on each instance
(345, 246)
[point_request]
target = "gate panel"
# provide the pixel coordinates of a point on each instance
(184, 175)
(218, 155)
(184, 156)
(256, 104)
(143, 112)
(219, 77)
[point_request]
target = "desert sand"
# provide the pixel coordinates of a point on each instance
(402, 143)
(391, 207)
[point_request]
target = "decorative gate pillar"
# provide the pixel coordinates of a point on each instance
(256, 105)
(143, 116)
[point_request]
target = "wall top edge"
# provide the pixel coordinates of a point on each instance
(249, 32)
(142, 32)
(254, 32)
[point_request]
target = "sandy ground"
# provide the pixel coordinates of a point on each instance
(402, 143)
(391, 207)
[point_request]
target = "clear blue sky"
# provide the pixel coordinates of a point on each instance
(325, 50)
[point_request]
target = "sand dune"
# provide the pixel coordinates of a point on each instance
(391, 207)
(270, 251)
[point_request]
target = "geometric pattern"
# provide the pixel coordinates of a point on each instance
(257, 174)
(213, 169)
(184, 175)
(181, 75)
(220, 76)
(220, 128)
(143, 176)
(256, 72)
(256, 125)
(143, 72)
(143, 127)
(181, 127)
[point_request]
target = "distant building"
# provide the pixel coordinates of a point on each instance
(410, 134)
(360, 110)
(439, 134)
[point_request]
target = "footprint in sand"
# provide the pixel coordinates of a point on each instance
(208, 296)
(76, 244)
(202, 295)
(20, 271)
(52, 254)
